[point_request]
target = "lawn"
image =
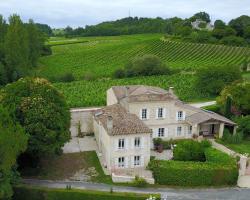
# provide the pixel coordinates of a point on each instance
(242, 148)
(66, 165)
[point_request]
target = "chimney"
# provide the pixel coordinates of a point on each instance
(110, 123)
(171, 90)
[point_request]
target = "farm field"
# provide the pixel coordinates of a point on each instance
(100, 56)
(93, 93)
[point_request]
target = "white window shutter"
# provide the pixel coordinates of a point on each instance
(184, 115)
(142, 161)
(156, 113)
(164, 112)
(132, 143)
(155, 135)
(116, 162)
(142, 142)
(148, 113)
(177, 116)
(126, 162)
(126, 141)
(140, 113)
(116, 144)
(132, 162)
(166, 132)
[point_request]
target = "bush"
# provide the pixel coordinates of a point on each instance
(68, 77)
(139, 182)
(232, 139)
(219, 169)
(191, 151)
(244, 125)
(147, 65)
(35, 193)
(119, 73)
(213, 79)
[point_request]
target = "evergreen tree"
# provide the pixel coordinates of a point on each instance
(228, 107)
(16, 49)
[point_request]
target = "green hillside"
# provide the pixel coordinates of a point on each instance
(102, 55)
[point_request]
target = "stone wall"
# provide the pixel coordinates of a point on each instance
(84, 117)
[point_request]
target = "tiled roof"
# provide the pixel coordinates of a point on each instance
(141, 93)
(124, 123)
(202, 115)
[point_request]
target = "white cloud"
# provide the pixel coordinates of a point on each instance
(59, 13)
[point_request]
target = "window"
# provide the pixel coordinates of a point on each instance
(190, 130)
(137, 142)
(180, 115)
(121, 144)
(160, 113)
(137, 161)
(144, 113)
(161, 132)
(121, 162)
(179, 128)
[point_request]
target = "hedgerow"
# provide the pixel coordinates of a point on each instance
(219, 169)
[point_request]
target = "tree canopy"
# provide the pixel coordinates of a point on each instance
(13, 141)
(42, 111)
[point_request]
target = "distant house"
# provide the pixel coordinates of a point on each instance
(136, 114)
(202, 25)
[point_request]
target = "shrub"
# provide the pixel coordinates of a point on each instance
(139, 182)
(244, 125)
(68, 77)
(190, 151)
(232, 139)
(219, 169)
(119, 73)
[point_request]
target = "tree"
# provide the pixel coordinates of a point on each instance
(240, 94)
(228, 107)
(13, 141)
(36, 41)
(16, 49)
(42, 111)
(146, 65)
(219, 24)
(213, 79)
(184, 31)
(202, 16)
(244, 125)
(233, 41)
(239, 24)
(3, 31)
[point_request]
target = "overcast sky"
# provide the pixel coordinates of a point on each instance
(60, 13)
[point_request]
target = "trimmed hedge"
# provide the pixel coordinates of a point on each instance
(37, 193)
(219, 169)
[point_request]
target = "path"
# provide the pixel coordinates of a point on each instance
(223, 148)
(171, 194)
(203, 104)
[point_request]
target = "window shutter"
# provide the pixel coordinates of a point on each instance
(142, 142)
(126, 161)
(142, 161)
(164, 112)
(132, 162)
(184, 115)
(148, 113)
(176, 131)
(116, 162)
(155, 133)
(177, 116)
(132, 143)
(166, 132)
(140, 114)
(126, 145)
(116, 144)
(156, 113)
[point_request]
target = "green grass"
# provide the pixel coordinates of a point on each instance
(242, 148)
(38, 193)
(246, 76)
(66, 165)
(93, 93)
(102, 55)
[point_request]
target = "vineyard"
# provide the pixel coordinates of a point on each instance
(93, 93)
(102, 55)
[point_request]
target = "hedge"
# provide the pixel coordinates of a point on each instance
(219, 169)
(36, 193)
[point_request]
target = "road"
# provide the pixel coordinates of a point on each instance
(171, 194)
(203, 104)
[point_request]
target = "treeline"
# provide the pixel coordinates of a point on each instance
(21, 44)
(236, 32)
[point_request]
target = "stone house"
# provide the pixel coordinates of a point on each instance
(136, 114)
